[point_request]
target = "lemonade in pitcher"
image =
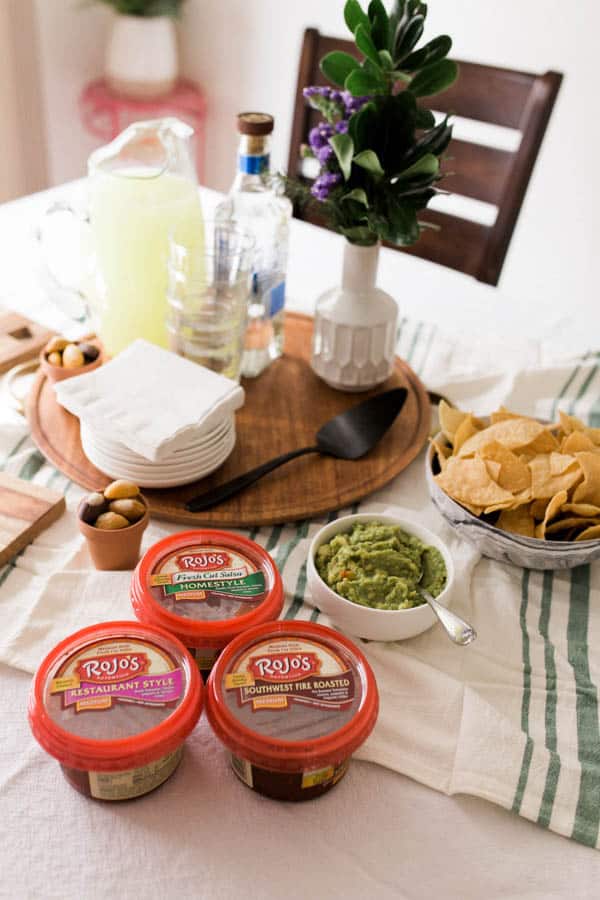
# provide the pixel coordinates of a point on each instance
(143, 193)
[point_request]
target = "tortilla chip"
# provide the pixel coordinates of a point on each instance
(518, 521)
(467, 428)
(450, 419)
(570, 423)
(582, 509)
(442, 452)
(552, 510)
(545, 484)
(502, 414)
(515, 474)
(576, 442)
(572, 522)
(594, 435)
(468, 481)
(590, 534)
(537, 510)
(589, 490)
(516, 434)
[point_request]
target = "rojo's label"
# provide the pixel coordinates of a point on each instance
(200, 574)
(113, 671)
(281, 673)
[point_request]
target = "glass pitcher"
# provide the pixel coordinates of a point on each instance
(142, 192)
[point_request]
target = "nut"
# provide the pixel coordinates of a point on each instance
(92, 506)
(131, 509)
(121, 490)
(56, 345)
(110, 521)
(90, 352)
(55, 358)
(72, 357)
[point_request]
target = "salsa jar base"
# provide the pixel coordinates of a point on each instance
(125, 785)
(294, 787)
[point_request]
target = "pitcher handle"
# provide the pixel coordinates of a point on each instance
(69, 299)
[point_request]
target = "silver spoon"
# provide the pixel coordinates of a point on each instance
(456, 628)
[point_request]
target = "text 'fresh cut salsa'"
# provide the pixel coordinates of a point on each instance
(206, 587)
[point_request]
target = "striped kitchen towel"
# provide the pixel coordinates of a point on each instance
(513, 718)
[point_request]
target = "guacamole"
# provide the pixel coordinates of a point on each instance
(379, 565)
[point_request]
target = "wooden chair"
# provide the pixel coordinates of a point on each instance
(516, 100)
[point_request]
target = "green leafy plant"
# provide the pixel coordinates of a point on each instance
(379, 148)
(145, 8)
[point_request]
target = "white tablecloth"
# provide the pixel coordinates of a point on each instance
(204, 836)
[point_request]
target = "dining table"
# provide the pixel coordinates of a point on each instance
(380, 833)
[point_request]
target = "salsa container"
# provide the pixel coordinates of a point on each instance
(114, 703)
(206, 587)
(291, 701)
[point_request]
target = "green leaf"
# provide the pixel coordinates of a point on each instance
(360, 235)
(408, 37)
(404, 228)
(365, 44)
(369, 161)
(361, 83)
(425, 118)
(380, 25)
(434, 141)
(386, 60)
(434, 79)
(362, 125)
(336, 66)
(427, 165)
(354, 15)
(358, 195)
(343, 147)
(435, 50)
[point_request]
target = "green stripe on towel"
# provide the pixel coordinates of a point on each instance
(526, 700)
(551, 698)
(587, 815)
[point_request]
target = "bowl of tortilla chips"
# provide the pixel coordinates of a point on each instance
(523, 490)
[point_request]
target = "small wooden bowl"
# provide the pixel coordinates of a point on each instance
(59, 373)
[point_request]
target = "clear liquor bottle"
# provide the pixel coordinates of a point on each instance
(255, 204)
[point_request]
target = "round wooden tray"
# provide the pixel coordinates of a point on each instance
(284, 408)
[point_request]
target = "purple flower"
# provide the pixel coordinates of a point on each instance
(353, 104)
(324, 154)
(309, 92)
(342, 126)
(323, 185)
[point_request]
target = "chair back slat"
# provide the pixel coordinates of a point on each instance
(486, 94)
(476, 171)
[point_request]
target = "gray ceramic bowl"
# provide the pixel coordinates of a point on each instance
(530, 553)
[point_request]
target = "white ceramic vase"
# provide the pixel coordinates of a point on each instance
(141, 56)
(354, 337)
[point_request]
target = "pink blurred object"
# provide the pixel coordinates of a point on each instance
(105, 114)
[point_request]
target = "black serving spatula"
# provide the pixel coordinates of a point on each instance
(349, 435)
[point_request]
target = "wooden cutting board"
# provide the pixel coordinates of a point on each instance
(284, 408)
(20, 339)
(25, 511)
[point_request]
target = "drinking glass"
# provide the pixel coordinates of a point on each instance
(207, 296)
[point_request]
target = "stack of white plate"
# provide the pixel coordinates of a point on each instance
(201, 456)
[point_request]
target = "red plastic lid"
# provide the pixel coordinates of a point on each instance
(292, 696)
(206, 586)
(115, 696)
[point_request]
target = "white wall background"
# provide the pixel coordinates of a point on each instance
(245, 54)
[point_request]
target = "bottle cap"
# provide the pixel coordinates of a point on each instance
(255, 123)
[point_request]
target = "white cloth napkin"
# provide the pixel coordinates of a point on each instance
(152, 401)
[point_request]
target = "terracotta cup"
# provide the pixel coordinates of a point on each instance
(58, 373)
(118, 549)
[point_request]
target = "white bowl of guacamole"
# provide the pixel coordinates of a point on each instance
(363, 573)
